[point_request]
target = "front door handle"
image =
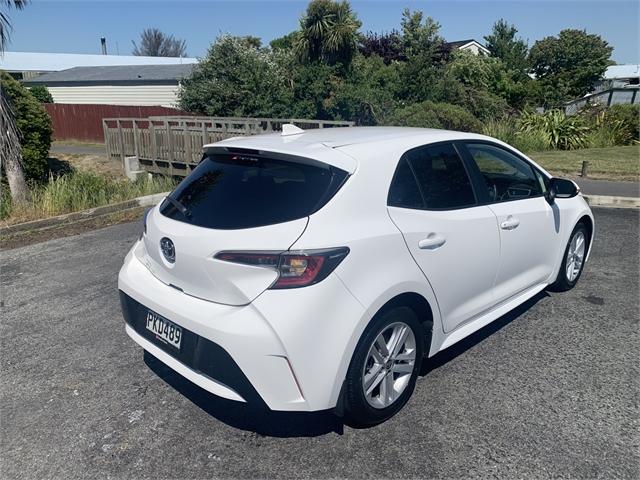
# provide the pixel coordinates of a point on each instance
(433, 241)
(510, 223)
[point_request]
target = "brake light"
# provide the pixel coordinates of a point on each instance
(295, 269)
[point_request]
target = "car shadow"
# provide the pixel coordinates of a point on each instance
(475, 338)
(263, 421)
(255, 418)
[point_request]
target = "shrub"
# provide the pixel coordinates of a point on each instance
(628, 116)
(435, 115)
(236, 79)
(509, 131)
(41, 93)
(34, 125)
(79, 191)
(560, 131)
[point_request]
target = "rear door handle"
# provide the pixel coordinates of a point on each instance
(433, 241)
(510, 223)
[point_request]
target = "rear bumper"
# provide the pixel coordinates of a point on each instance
(199, 360)
(287, 350)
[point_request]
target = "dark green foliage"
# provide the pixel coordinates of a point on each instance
(283, 43)
(34, 125)
(328, 33)
(503, 44)
(569, 65)
(423, 48)
(236, 79)
(368, 94)
(435, 115)
(41, 93)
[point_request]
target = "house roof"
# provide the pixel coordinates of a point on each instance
(462, 43)
(622, 71)
(115, 74)
(53, 62)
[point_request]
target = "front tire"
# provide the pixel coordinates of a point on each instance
(573, 260)
(384, 368)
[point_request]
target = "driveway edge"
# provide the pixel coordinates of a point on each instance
(612, 201)
(146, 201)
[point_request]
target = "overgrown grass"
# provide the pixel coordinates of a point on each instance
(79, 191)
(613, 163)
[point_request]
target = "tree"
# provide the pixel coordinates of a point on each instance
(503, 44)
(283, 43)
(569, 65)
(155, 43)
(422, 46)
(10, 149)
(387, 46)
(420, 39)
(41, 93)
(33, 124)
(236, 79)
(328, 33)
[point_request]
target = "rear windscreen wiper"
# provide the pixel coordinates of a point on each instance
(181, 208)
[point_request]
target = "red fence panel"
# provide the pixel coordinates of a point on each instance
(84, 121)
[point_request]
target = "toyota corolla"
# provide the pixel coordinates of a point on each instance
(315, 270)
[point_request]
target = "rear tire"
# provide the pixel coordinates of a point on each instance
(573, 260)
(384, 368)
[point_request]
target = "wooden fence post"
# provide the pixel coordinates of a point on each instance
(121, 140)
(136, 147)
(152, 140)
(187, 144)
(107, 142)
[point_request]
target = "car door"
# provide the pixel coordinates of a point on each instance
(453, 240)
(528, 224)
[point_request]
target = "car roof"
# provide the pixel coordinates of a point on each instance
(324, 144)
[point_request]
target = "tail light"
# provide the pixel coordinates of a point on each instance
(295, 269)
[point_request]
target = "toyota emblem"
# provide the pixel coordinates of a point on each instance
(168, 249)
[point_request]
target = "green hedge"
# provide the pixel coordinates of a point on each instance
(435, 115)
(34, 125)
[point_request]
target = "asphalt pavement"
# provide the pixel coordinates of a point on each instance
(550, 390)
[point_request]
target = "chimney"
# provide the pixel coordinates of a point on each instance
(103, 43)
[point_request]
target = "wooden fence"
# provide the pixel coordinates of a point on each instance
(173, 145)
(84, 121)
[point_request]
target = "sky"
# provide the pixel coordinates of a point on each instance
(76, 26)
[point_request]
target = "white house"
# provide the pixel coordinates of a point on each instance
(115, 85)
(24, 65)
(469, 45)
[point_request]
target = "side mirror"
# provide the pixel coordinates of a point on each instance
(563, 188)
(550, 194)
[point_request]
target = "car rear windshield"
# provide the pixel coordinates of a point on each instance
(233, 191)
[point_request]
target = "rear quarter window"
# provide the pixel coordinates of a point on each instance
(227, 191)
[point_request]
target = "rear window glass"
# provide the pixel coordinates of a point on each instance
(228, 191)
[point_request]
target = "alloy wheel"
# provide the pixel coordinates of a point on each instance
(575, 256)
(389, 364)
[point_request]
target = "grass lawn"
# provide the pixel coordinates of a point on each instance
(613, 163)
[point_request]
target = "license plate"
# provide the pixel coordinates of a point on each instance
(164, 330)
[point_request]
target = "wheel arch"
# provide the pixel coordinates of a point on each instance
(423, 310)
(420, 307)
(587, 221)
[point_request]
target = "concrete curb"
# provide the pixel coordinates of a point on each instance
(611, 201)
(146, 201)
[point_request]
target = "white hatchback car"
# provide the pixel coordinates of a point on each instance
(314, 270)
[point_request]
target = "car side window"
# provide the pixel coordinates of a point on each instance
(442, 177)
(507, 177)
(404, 191)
